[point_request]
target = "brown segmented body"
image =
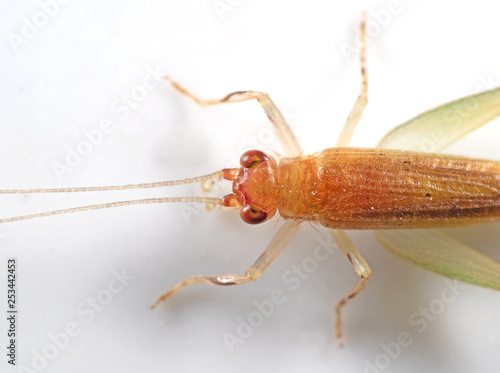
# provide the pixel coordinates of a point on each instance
(352, 188)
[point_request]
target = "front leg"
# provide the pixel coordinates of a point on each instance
(275, 248)
(278, 122)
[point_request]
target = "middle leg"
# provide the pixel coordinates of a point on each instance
(361, 268)
(359, 106)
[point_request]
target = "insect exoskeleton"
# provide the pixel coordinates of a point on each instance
(254, 187)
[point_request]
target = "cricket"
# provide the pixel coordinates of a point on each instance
(397, 189)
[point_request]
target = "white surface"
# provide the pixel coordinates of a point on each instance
(64, 81)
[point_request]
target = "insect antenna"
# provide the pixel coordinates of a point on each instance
(227, 174)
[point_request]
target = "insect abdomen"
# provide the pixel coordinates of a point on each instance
(352, 188)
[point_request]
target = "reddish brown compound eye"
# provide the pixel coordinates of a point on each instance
(252, 214)
(252, 158)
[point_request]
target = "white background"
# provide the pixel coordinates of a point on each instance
(64, 80)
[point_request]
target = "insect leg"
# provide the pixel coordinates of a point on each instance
(359, 106)
(440, 127)
(442, 254)
(279, 124)
(361, 268)
(273, 250)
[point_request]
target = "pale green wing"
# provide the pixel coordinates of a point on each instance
(431, 132)
(435, 129)
(439, 253)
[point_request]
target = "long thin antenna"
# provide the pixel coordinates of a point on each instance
(212, 176)
(212, 200)
(227, 173)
